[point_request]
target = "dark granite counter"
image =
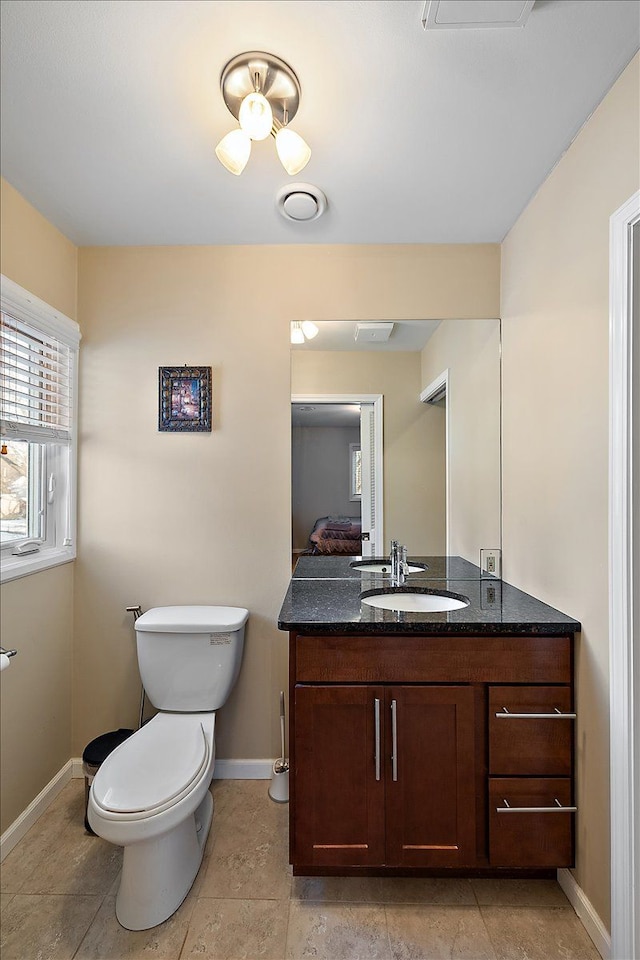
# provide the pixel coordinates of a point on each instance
(324, 596)
(340, 568)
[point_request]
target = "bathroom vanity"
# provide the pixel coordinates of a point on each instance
(428, 742)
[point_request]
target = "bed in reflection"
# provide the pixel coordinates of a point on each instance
(336, 535)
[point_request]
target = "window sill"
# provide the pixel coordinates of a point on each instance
(12, 568)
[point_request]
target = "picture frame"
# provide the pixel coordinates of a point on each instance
(184, 398)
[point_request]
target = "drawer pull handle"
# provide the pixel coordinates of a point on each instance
(376, 714)
(557, 809)
(556, 715)
(394, 740)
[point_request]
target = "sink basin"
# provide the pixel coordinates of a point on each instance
(410, 600)
(383, 566)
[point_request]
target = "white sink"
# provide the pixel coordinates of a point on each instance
(384, 566)
(416, 601)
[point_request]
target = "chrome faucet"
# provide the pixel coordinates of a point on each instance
(394, 560)
(398, 562)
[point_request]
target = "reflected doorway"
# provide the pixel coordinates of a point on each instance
(336, 481)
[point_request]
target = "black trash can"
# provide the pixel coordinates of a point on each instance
(94, 754)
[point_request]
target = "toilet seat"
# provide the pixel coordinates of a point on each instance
(153, 769)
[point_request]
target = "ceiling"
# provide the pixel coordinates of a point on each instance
(111, 112)
(408, 335)
(325, 415)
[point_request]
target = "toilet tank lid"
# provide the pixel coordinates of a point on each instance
(192, 619)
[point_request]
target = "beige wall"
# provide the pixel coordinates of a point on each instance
(470, 351)
(166, 518)
(35, 254)
(413, 444)
(37, 611)
(555, 445)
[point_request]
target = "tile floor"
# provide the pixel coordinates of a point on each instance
(59, 885)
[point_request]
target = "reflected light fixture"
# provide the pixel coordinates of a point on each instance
(263, 93)
(302, 331)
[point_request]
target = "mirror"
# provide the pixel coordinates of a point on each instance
(440, 458)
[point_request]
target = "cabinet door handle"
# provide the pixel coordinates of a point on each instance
(556, 715)
(557, 809)
(394, 740)
(376, 715)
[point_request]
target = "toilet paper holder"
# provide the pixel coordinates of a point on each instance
(8, 653)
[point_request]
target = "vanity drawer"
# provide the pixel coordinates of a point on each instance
(530, 731)
(530, 822)
(420, 658)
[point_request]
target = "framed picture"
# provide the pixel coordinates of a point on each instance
(184, 395)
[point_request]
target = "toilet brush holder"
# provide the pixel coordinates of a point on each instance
(279, 786)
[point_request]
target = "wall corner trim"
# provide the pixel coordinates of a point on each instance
(586, 913)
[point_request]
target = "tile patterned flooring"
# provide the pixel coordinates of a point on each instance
(59, 885)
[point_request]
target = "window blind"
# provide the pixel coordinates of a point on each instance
(36, 377)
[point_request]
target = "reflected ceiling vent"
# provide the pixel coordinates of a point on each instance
(475, 14)
(301, 202)
(373, 332)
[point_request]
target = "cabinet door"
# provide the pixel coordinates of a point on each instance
(431, 795)
(339, 787)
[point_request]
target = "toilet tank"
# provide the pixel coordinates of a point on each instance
(189, 657)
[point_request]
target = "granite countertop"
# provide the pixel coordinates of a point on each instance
(324, 595)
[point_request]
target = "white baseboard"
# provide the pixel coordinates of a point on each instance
(36, 808)
(586, 913)
(76, 767)
(224, 769)
(243, 770)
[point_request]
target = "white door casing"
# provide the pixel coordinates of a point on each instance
(368, 449)
(624, 592)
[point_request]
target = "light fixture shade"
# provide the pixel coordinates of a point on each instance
(293, 151)
(297, 336)
(233, 151)
(309, 329)
(256, 117)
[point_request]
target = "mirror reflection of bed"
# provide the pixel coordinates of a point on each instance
(326, 513)
(336, 536)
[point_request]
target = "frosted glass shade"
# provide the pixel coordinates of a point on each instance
(309, 329)
(293, 151)
(255, 116)
(233, 151)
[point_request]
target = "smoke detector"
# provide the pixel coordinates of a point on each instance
(301, 202)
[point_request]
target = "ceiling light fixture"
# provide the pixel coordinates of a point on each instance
(263, 94)
(302, 331)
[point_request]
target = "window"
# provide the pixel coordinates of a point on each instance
(38, 356)
(355, 471)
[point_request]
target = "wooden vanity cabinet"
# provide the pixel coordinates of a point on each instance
(384, 775)
(399, 761)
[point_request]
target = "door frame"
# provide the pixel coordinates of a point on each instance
(436, 387)
(376, 400)
(624, 599)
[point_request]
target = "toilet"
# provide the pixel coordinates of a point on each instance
(151, 795)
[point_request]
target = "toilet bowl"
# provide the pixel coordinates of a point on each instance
(151, 794)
